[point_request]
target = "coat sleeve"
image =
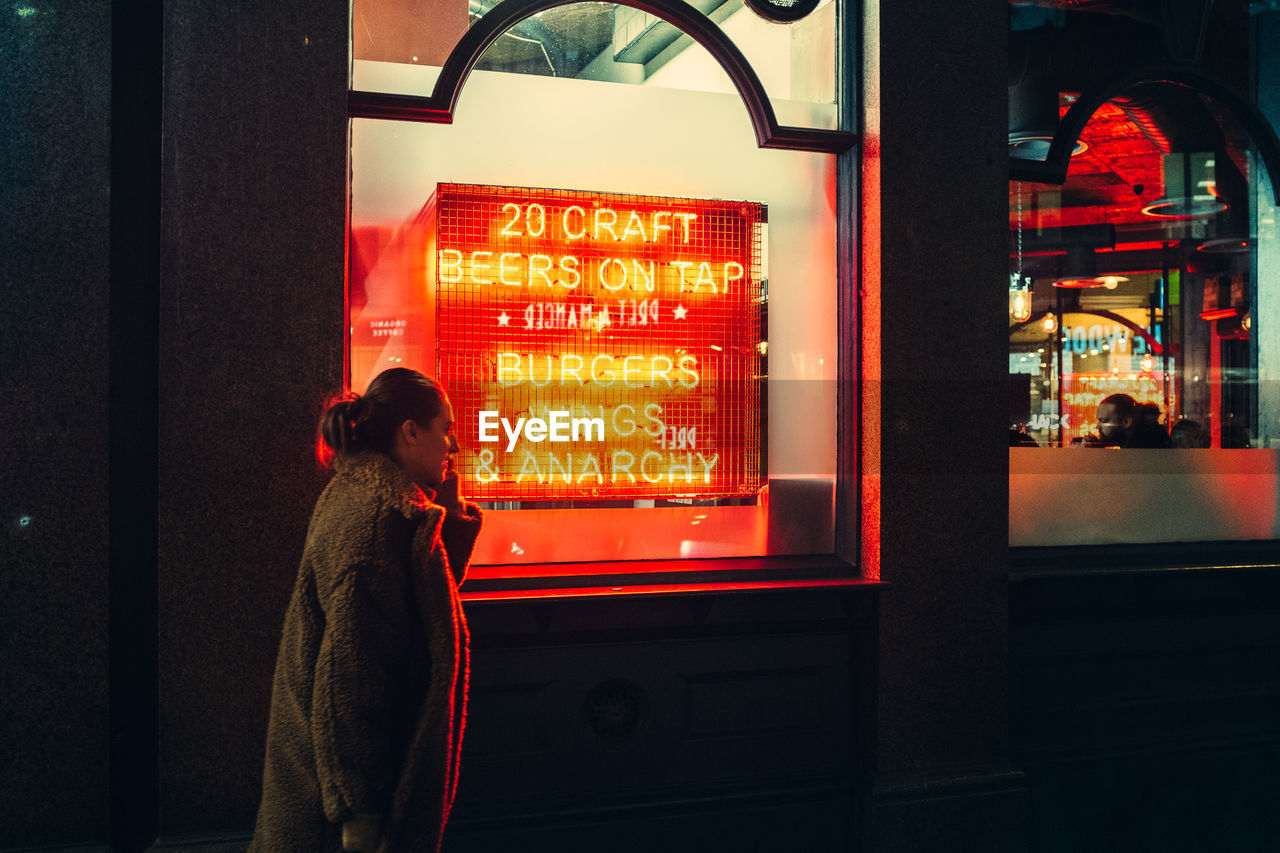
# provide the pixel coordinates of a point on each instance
(355, 693)
(458, 534)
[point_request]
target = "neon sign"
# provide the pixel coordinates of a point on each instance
(1112, 337)
(1082, 393)
(597, 345)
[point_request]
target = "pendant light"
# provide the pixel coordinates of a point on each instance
(1190, 187)
(1019, 284)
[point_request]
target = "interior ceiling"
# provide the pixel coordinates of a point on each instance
(565, 38)
(1110, 181)
(1072, 45)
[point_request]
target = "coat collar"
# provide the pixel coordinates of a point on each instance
(380, 475)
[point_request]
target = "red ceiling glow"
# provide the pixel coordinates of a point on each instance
(1101, 181)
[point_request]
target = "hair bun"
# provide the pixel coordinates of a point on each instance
(358, 422)
(356, 407)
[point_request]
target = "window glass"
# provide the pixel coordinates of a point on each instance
(1139, 277)
(521, 178)
(1150, 273)
(795, 61)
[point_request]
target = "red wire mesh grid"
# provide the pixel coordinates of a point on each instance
(629, 325)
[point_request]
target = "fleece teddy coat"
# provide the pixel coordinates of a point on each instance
(368, 704)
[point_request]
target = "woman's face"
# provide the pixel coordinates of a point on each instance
(426, 455)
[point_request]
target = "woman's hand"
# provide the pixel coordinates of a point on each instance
(448, 494)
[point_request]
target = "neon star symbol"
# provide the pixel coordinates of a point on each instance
(503, 319)
(680, 311)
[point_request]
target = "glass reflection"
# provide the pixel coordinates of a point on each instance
(1143, 277)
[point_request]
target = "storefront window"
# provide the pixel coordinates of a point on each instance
(1143, 307)
(623, 260)
(1139, 276)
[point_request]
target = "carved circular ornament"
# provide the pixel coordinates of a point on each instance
(782, 11)
(615, 708)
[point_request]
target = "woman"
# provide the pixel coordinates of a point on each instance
(370, 686)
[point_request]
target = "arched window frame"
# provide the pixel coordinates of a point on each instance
(439, 106)
(1053, 168)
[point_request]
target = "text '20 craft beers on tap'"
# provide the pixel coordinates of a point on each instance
(608, 344)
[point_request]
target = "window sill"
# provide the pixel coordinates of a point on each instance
(650, 590)
(661, 578)
(1026, 564)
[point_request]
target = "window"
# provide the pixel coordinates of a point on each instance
(1138, 276)
(597, 242)
(1143, 312)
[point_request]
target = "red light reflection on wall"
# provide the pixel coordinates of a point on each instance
(597, 345)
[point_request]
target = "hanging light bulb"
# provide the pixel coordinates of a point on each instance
(1019, 284)
(1049, 323)
(1019, 302)
(1148, 363)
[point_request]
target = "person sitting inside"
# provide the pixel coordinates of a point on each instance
(1187, 433)
(1122, 422)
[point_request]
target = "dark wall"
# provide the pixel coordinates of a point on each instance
(1146, 693)
(935, 217)
(713, 721)
(55, 102)
(251, 318)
